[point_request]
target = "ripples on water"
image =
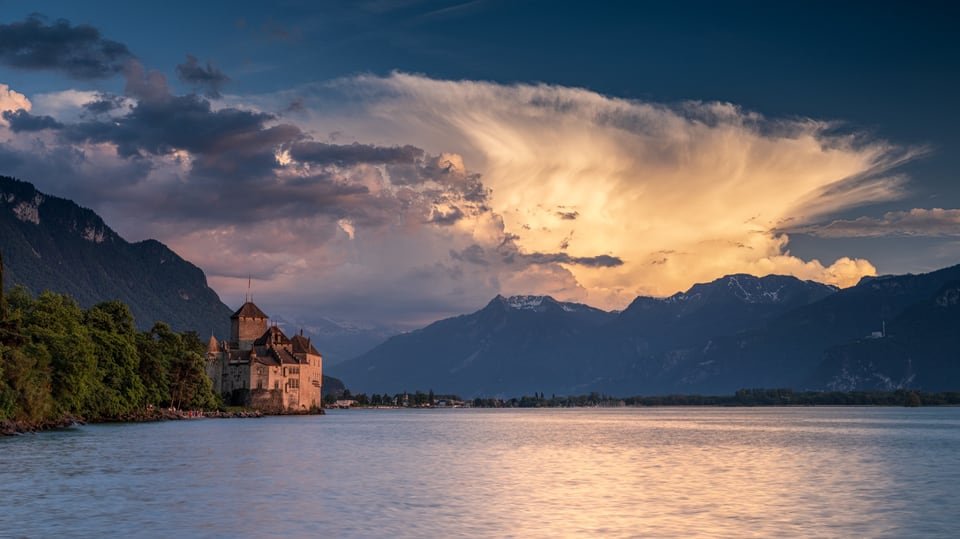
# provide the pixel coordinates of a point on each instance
(661, 472)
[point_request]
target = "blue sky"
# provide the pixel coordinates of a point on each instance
(590, 152)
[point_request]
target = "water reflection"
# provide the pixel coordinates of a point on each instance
(508, 473)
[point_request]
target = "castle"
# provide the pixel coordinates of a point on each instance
(261, 367)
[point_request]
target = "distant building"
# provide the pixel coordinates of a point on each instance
(261, 367)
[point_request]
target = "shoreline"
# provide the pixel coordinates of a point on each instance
(13, 427)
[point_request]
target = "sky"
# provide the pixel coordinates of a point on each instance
(403, 161)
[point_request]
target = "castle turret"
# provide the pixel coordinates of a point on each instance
(213, 347)
(246, 325)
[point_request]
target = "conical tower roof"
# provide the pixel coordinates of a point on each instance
(212, 345)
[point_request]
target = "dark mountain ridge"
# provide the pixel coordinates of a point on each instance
(496, 350)
(737, 331)
(920, 347)
(50, 243)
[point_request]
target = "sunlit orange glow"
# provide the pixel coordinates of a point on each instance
(682, 195)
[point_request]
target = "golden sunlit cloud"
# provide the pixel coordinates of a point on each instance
(680, 194)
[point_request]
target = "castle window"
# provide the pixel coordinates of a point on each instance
(259, 384)
(276, 384)
(293, 384)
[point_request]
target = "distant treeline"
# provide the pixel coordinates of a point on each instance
(60, 361)
(743, 397)
(417, 399)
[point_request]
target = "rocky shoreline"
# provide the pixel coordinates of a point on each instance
(14, 427)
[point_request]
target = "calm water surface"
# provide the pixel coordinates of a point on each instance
(661, 472)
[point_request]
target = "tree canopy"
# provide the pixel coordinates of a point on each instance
(57, 359)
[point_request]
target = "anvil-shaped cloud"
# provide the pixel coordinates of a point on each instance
(680, 194)
(404, 198)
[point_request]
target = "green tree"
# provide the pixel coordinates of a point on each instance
(27, 373)
(114, 338)
(25, 386)
(419, 398)
(189, 384)
(154, 366)
(54, 322)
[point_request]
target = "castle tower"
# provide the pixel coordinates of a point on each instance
(214, 364)
(246, 326)
(213, 347)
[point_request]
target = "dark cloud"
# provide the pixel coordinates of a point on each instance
(229, 159)
(210, 79)
(510, 253)
(22, 120)
(226, 141)
(473, 254)
(104, 104)
(259, 202)
(918, 222)
(568, 215)
(320, 153)
(601, 261)
(79, 51)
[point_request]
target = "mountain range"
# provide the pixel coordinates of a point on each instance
(736, 332)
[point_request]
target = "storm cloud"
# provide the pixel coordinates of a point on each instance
(600, 261)
(225, 141)
(321, 153)
(77, 51)
(613, 182)
(21, 120)
(446, 193)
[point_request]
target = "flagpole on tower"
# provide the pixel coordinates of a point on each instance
(248, 288)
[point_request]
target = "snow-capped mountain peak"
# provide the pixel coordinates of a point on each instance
(538, 304)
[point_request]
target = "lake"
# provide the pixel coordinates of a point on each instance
(648, 472)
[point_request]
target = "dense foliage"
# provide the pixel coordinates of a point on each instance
(58, 360)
